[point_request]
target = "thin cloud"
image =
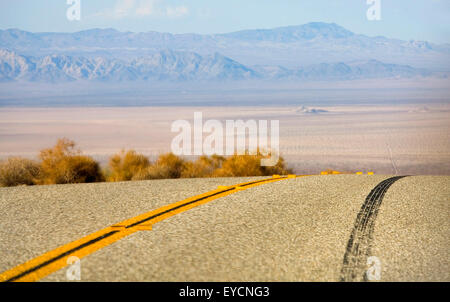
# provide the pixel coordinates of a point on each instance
(143, 8)
(123, 8)
(177, 11)
(147, 8)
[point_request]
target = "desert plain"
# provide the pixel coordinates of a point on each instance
(389, 139)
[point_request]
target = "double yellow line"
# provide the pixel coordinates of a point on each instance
(56, 259)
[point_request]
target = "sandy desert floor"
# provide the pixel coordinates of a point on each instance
(394, 139)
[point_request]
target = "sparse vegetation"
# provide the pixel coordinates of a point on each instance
(166, 166)
(18, 171)
(64, 163)
(127, 166)
(250, 165)
(204, 166)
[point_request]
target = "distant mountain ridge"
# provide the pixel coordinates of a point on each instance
(168, 65)
(288, 47)
(290, 34)
(164, 65)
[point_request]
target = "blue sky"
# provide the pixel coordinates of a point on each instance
(405, 19)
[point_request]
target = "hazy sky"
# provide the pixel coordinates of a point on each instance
(405, 19)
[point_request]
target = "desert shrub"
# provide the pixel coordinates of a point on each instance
(280, 168)
(240, 165)
(204, 166)
(63, 164)
(18, 171)
(250, 165)
(128, 166)
(166, 166)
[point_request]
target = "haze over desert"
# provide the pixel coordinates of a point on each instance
(393, 139)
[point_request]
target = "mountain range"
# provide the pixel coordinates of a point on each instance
(314, 51)
(171, 65)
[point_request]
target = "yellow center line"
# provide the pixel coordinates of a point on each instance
(56, 259)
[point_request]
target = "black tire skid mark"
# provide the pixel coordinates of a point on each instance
(359, 243)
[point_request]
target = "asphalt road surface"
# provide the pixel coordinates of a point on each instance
(314, 228)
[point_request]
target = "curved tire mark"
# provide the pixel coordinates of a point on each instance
(359, 243)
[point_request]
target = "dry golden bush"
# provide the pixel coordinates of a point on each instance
(204, 166)
(240, 165)
(17, 171)
(63, 164)
(128, 166)
(166, 166)
(280, 168)
(250, 165)
(172, 166)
